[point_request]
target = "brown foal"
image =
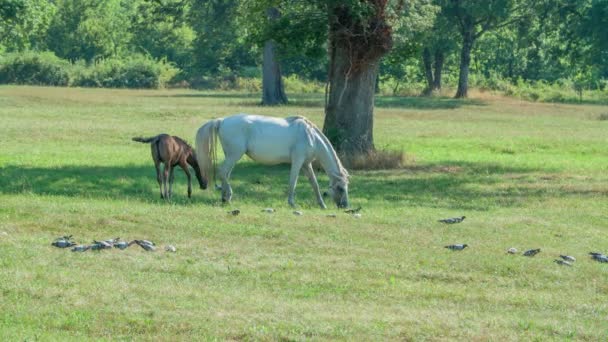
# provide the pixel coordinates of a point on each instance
(172, 151)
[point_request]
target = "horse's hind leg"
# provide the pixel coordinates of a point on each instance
(166, 168)
(310, 173)
(171, 178)
(224, 174)
(158, 178)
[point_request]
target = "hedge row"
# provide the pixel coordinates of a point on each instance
(44, 68)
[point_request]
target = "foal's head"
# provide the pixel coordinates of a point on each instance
(202, 182)
(191, 159)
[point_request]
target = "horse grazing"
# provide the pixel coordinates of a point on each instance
(270, 140)
(172, 151)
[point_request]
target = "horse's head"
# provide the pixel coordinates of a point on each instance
(202, 180)
(338, 189)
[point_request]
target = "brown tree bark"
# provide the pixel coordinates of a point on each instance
(468, 38)
(273, 88)
(428, 71)
(439, 58)
(355, 49)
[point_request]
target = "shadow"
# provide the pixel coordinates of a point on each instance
(421, 102)
(452, 184)
(318, 100)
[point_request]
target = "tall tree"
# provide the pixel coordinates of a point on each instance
(474, 18)
(273, 89)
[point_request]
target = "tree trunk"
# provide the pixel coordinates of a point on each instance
(273, 89)
(428, 71)
(468, 39)
(439, 58)
(353, 68)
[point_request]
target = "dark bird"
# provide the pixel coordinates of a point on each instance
(599, 257)
(63, 243)
(121, 244)
(81, 248)
(99, 245)
(568, 258)
(234, 212)
(531, 252)
(562, 262)
(353, 211)
(457, 247)
(145, 244)
(453, 220)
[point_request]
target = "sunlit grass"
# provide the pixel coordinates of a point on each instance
(526, 175)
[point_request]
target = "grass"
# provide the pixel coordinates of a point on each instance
(525, 174)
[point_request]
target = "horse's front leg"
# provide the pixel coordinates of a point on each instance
(296, 165)
(310, 173)
(184, 166)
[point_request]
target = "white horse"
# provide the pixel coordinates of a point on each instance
(270, 140)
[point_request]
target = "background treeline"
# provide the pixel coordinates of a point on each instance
(533, 49)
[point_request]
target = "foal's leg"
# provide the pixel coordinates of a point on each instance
(184, 166)
(166, 168)
(310, 173)
(171, 177)
(296, 165)
(158, 177)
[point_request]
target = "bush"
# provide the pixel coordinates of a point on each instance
(134, 72)
(35, 69)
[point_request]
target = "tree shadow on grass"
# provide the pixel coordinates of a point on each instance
(318, 100)
(453, 185)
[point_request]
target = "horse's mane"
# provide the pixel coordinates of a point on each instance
(182, 142)
(343, 173)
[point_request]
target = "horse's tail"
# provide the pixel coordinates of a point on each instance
(145, 140)
(206, 148)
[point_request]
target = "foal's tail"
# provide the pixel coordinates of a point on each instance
(206, 148)
(145, 140)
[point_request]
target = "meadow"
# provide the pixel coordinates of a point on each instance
(526, 175)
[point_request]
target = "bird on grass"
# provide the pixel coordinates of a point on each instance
(562, 262)
(298, 213)
(512, 250)
(81, 248)
(145, 244)
(121, 244)
(353, 211)
(598, 257)
(234, 212)
(331, 215)
(457, 247)
(531, 252)
(170, 248)
(61, 243)
(568, 258)
(268, 210)
(453, 220)
(99, 245)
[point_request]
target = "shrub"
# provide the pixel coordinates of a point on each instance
(375, 160)
(35, 69)
(134, 72)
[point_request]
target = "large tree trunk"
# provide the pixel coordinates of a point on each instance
(273, 89)
(428, 71)
(468, 39)
(439, 58)
(353, 69)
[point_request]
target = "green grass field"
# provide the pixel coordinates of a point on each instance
(526, 175)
